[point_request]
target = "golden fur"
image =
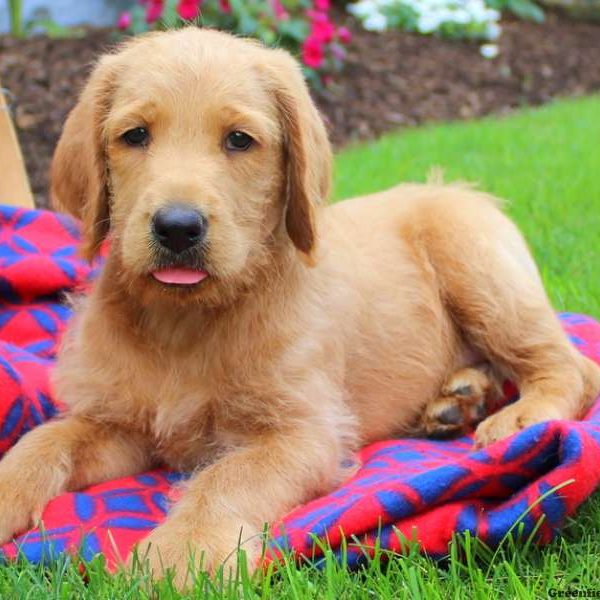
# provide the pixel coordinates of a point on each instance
(319, 329)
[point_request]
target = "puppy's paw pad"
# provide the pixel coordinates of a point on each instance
(450, 416)
(464, 402)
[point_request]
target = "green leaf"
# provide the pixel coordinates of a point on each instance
(269, 37)
(294, 28)
(526, 9)
(138, 21)
(170, 17)
(248, 25)
(15, 8)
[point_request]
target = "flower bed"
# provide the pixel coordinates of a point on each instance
(304, 27)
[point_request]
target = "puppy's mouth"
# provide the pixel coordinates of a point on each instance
(180, 276)
(184, 270)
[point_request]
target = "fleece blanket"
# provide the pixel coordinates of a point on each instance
(420, 489)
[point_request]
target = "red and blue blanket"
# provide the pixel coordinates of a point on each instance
(422, 489)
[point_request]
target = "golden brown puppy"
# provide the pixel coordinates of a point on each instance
(243, 331)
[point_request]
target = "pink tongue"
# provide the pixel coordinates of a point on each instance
(180, 276)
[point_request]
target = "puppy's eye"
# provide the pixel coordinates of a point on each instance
(139, 136)
(238, 141)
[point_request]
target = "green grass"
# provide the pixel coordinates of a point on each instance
(547, 162)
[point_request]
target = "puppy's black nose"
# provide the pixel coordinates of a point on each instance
(178, 227)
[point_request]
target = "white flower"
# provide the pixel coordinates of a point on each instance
(493, 31)
(428, 23)
(467, 17)
(460, 16)
(375, 22)
(489, 50)
(492, 15)
(363, 8)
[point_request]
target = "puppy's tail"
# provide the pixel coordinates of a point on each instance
(436, 177)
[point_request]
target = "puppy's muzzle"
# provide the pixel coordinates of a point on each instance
(178, 227)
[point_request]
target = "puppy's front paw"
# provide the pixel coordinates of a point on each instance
(17, 511)
(185, 550)
(513, 418)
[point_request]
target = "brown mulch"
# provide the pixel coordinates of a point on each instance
(391, 80)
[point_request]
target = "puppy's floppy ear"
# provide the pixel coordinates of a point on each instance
(79, 178)
(307, 150)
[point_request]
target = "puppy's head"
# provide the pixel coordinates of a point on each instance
(201, 154)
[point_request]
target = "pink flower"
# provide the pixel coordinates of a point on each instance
(188, 9)
(279, 10)
(323, 30)
(154, 10)
(312, 52)
(225, 6)
(317, 16)
(344, 35)
(322, 5)
(124, 21)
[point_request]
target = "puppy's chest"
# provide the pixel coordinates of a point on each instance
(179, 407)
(184, 438)
(176, 411)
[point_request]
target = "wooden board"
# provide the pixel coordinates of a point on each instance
(14, 184)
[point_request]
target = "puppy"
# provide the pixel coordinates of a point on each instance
(242, 331)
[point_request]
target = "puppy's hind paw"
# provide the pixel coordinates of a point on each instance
(465, 400)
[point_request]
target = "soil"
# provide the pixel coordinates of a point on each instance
(391, 80)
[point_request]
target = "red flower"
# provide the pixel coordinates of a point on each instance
(124, 21)
(225, 6)
(188, 9)
(344, 35)
(154, 10)
(312, 52)
(322, 5)
(323, 30)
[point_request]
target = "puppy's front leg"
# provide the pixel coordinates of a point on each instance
(233, 498)
(59, 456)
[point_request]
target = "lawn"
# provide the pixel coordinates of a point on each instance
(547, 163)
